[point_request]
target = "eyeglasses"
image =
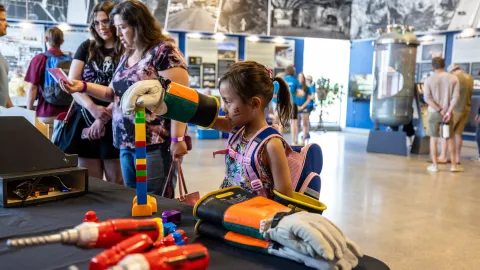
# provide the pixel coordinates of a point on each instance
(105, 23)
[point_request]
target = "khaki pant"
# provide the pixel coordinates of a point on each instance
(459, 121)
(434, 124)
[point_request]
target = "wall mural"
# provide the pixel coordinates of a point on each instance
(311, 18)
(425, 15)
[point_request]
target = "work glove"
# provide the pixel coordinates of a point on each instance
(347, 262)
(148, 94)
(308, 233)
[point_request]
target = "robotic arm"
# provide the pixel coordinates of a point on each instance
(172, 101)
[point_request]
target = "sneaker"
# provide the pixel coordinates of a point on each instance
(432, 168)
(456, 169)
(477, 159)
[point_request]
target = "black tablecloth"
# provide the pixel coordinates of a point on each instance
(113, 201)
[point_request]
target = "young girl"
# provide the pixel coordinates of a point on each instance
(246, 90)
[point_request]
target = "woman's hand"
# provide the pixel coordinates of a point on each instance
(100, 112)
(75, 87)
(97, 130)
(178, 149)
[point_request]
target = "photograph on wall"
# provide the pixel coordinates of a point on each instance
(223, 66)
(426, 70)
(22, 43)
(194, 76)
(48, 10)
(243, 17)
(209, 75)
(192, 15)
(465, 67)
(15, 9)
(311, 18)
(284, 55)
(431, 50)
(475, 72)
(424, 15)
(361, 86)
(227, 50)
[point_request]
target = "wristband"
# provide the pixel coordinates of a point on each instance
(178, 139)
(84, 87)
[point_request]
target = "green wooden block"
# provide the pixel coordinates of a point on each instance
(140, 114)
(139, 120)
(141, 173)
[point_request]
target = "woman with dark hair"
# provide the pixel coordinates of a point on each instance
(95, 61)
(148, 55)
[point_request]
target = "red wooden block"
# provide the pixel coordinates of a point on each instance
(141, 167)
(140, 144)
(141, 179)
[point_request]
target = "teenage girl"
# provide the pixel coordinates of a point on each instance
(246, 90)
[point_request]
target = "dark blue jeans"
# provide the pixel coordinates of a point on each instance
(159, 161)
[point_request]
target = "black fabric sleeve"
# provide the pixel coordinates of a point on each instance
(82, 51)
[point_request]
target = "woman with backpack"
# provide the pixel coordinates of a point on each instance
(95, 61)
(148, 55)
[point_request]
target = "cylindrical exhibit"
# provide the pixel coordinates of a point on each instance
(394, 76)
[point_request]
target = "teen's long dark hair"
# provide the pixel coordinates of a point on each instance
(250, 79)
(148, 31)
(94, 49)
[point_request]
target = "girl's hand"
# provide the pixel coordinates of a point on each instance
(75, 87)
(178, 149)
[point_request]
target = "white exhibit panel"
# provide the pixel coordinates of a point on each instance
(23, 42)
(73, 36)
(330, 59)
(466, 54)
(208, 57)
(430, 46)
(275, 53)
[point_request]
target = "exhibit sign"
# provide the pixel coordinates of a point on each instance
(274, 53)
(430, 46)
(74, 36)
(23, 42)
(209, 57)
(466, 54)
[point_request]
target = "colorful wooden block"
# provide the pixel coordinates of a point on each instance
(141, 193)
(141, 152)
(141, 161)
(141, 167)
(140, 132)
(139, 120)
(140, 114)
(140, 144)
(141, 173)
(141, 179)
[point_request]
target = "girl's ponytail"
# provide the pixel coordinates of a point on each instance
(284, 103)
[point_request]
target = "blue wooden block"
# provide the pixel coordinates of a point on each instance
(204, 134)
(140, 152)
(141, 193)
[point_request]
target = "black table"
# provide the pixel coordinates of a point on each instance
(113, 201)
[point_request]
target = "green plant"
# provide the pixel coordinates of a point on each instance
(327, 95)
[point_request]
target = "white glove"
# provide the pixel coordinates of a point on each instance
(309, 234)
(348, 262)
(148, 94)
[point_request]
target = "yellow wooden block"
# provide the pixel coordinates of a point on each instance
(140, 132)
(142, 210)
(141, 161)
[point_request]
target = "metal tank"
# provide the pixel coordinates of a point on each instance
(394, 76)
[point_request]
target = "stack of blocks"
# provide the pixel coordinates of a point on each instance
(143, 205)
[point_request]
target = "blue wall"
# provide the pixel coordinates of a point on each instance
(361, 60)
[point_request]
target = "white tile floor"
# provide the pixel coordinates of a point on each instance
(390, 205)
